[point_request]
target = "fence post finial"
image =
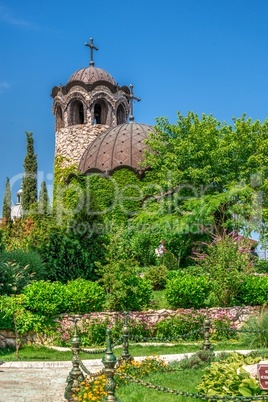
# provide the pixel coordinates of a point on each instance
(109, 361)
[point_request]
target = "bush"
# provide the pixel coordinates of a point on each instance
(13, 278)
(187, 291)
(229, 378)
(47, 298)
(68, 256)
(227, 260)
(125, 290)
(186, 325)
(261, 266)
(31, 258)
(195, 361)
(256, 335)
(253, 291)
(83, 296)
(135, 294)
(157, 275)
(17, 269)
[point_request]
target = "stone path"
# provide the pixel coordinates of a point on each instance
(46, 381)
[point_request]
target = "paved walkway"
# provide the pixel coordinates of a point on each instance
(46, 381)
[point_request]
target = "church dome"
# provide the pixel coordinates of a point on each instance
(90, 75)
(120, 146)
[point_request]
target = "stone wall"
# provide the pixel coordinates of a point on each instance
(71, 142)
(238, 316)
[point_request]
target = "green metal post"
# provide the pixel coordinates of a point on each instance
(126, 356)
(109, 361)
(207, 327)
(75, 376)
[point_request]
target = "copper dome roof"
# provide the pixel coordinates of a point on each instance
(119, 146)
(90, 75)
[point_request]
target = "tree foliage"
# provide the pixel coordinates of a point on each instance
(43, 203)
(29, 181)
(6, 213)
(210, 174)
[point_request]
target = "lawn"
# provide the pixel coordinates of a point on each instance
(41, 353)
(185, 380)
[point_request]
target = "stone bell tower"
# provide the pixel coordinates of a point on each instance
(89, 104)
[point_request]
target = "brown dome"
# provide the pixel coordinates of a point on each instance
(118, 147)
(90, 75)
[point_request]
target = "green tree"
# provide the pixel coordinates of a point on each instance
(29, 181)
(6, 214)
(209, 174)
(43, 204)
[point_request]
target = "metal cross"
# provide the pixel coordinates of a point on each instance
(131, 98)
(92, 47)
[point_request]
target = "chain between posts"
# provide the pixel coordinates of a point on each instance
(111, 364)
(193, 395)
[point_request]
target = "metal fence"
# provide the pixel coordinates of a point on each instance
(111, 364)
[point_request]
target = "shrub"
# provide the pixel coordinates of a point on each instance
(124, 289)
(69, 255)
(83, 296)
(253, 290)
(13, 278)
(195, 361)
(186, 325)
(157, 275)
(92, 331)
(32, 259)
(187, 291)
(45, 297)
(227, 260)
(256, 335)
(261, 266)
(17, 269)
(229, 378)
(223, 327)
(135, 294)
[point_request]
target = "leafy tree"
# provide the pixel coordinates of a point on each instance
(29, 181)
(6, 214)
(208, 174)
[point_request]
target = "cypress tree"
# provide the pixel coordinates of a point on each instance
(6, 213)
(43, 204)
(29, 181)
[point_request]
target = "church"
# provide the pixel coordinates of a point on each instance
(95, 129)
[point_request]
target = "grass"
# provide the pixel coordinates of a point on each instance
(42, 353)
(159, 300)
(185, 380)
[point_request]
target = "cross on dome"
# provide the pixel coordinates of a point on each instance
(131, 99)
(92, 47)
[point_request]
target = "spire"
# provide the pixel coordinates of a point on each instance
(131, 98)
(92, 47)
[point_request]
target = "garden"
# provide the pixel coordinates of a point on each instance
(95, 254)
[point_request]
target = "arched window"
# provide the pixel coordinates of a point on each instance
(77, 113)
(97, 114)
(59, 118)
(100, 112)
(120, 115)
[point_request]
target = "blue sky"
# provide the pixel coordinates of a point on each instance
(207, 56)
